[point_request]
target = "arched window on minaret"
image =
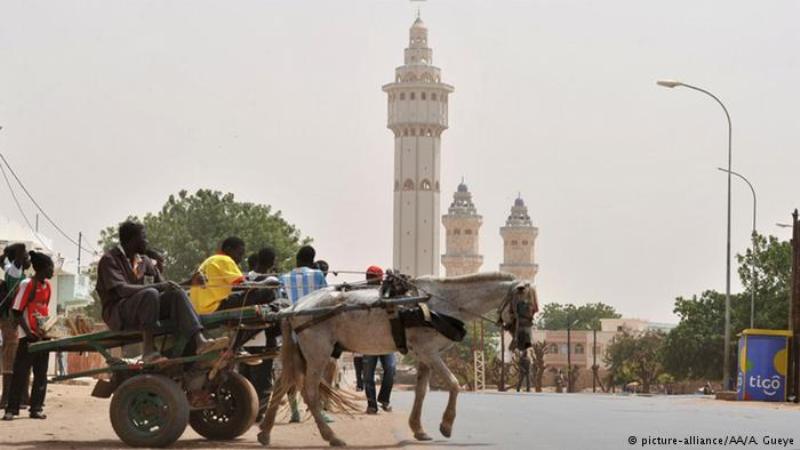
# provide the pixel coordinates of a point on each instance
(437, 186)
(411, 96)
(402, 96)
(433, 96)
(413, 131)
(396, 185)
(405, 132)
(422, 96)
(425, 185)
(408, 185)
(429, 133)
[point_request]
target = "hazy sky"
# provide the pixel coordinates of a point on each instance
(110, 106)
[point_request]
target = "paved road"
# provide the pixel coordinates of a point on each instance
(584, 421)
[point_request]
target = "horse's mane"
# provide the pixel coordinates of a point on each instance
(472, 278)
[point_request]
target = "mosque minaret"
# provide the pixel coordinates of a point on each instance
(417, 110)
(462, 226)
(519, 236)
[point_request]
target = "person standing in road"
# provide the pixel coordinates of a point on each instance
(524, 371)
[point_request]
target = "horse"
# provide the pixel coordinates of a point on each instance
(305, 354)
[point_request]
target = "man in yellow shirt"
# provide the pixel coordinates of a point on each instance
(214, 280)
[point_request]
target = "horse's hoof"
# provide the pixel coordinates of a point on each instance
(336, 442)
(263, 438)
(422, 437)
(445, 430)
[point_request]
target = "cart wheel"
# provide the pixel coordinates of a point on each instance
(235, 411)
(149, 411)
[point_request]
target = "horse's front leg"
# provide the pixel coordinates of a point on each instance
(414, 420)
(449, 416)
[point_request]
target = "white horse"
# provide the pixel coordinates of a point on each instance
(368, 332)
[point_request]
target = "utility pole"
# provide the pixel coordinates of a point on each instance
(794, 312)
(80, 239)
(594, 359)
(502, 386)
(569, 357)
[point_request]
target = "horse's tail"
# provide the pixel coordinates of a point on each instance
(293, 367)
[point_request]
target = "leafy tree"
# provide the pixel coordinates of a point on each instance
(190, 227)
(694, 349)
(636, 356)
(773, 271)
(538, 366)
(556, 316)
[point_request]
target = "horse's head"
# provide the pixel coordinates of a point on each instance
(516, 312)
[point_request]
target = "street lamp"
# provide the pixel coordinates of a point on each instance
(569, 352)
(726, 354)
(753, 236)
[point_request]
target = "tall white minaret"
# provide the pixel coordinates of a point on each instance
(417, 117)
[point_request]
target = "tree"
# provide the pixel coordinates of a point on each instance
(190, 227)
(694, 349)
(636, 356)
(539, 349)
(556, 316)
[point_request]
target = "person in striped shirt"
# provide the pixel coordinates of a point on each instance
(301, 281)
(305, 278)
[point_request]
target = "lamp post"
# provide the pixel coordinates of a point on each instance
(569, 352)
(726, 354)
(755, 243)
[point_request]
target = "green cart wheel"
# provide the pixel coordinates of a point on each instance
(235, 411)
(149, 411)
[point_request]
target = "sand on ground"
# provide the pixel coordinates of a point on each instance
(75, 420)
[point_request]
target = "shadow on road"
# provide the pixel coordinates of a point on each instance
(111, 444)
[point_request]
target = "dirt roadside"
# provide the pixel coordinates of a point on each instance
(78, 421)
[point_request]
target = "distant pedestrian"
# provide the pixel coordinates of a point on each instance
(374, 275)
(524, 371)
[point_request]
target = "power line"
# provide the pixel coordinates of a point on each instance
(22, 211)
(52, 222)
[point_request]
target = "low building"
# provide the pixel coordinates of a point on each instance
(586, 348)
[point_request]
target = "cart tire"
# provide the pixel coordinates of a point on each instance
(149, 411)
(235, 413)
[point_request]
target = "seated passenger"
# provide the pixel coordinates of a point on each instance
(305, 278)
(134, 295)
(213, 283)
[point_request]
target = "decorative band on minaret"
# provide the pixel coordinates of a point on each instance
(519, 236)
(417, 115)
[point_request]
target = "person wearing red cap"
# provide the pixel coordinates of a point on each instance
(375, 277)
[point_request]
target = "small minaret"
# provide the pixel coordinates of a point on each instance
(462, 224)
(417, 110)
(519, 235)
